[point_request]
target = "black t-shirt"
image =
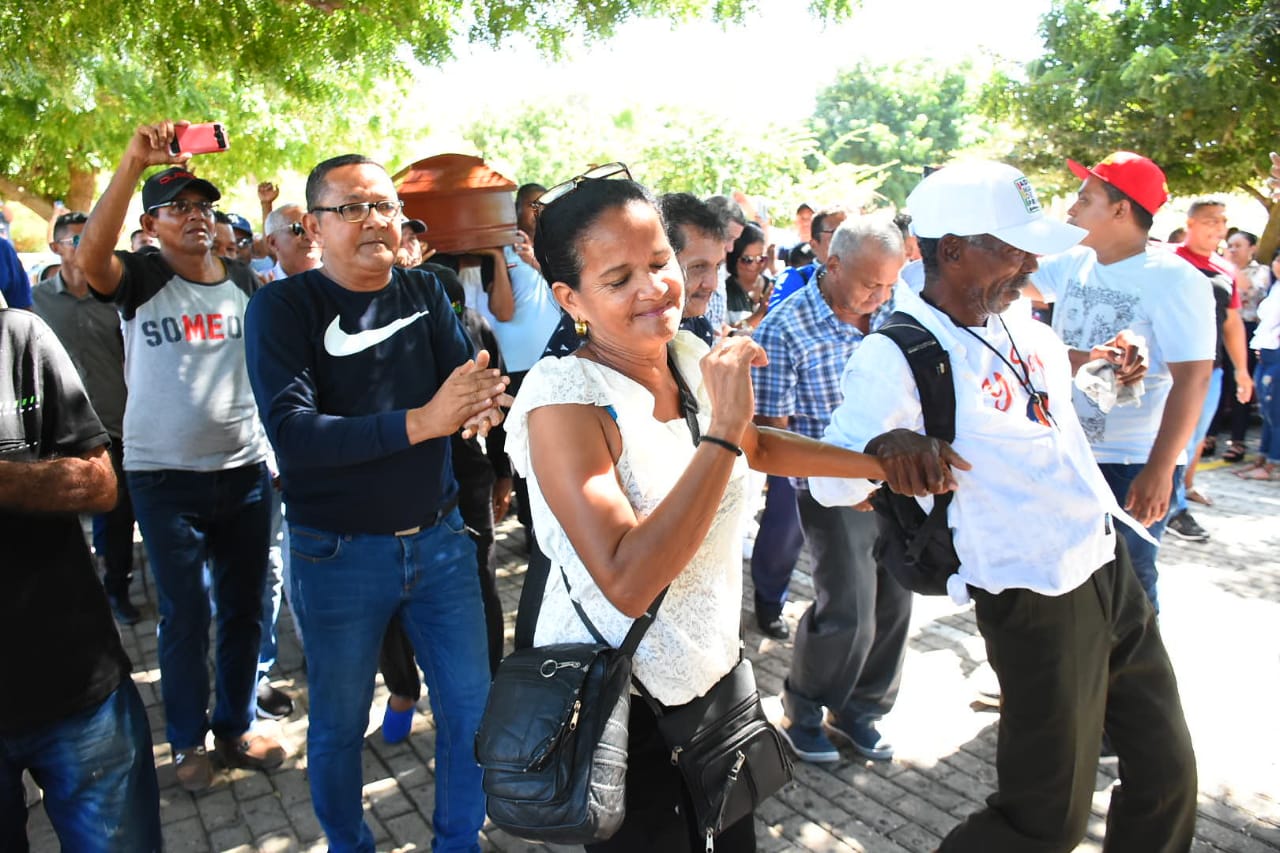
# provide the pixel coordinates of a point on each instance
(62, 653)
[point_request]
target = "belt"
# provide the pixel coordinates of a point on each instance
(435, 518)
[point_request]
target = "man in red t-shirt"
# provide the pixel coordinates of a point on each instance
(1206, 227)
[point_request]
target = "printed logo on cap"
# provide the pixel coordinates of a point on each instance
(173, 176)
(1028, 194)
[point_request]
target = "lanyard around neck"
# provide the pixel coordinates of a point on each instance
(1038, 401)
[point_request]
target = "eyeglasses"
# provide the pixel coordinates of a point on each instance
(184, 206)
(294, 228)
(753, 259)
(73, 241)
(358, 211)
(599, 173)
(244, 242)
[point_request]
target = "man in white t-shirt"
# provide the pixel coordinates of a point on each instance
(1116, 280)
(1069, 633)
(194, 451)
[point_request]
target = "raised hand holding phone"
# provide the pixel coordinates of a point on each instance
(206, 138)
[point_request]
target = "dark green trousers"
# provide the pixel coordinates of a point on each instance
(1070, 666)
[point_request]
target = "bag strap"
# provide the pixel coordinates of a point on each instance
(688, 402)
(931, 368)
(535, 584)
(638, 628)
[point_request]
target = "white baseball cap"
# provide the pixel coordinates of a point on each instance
(984, 197)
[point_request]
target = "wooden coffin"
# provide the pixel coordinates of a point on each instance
(466, 204)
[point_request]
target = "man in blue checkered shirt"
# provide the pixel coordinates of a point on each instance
(851, 641)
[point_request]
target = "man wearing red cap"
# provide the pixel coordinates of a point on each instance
(1116, 280)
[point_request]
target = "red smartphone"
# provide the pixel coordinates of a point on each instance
(206, 138)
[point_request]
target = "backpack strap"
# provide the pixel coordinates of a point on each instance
(931, 368)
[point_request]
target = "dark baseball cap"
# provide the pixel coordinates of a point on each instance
(418, 226)
(239, 223)
(165, 186)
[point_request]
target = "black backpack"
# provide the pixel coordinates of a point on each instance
(915, 548)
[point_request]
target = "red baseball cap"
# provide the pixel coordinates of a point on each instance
(1134, 175)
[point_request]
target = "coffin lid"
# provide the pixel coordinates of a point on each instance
(445, 173)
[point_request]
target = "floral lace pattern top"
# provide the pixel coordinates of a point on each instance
(693, 641)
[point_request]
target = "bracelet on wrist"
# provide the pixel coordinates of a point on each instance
(720, 442)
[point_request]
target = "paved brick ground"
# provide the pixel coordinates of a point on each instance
(1221, 603)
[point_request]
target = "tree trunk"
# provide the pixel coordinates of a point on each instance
(83, 187)
(1269, 240)
(40, 205)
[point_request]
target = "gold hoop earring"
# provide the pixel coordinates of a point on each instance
(580, 326)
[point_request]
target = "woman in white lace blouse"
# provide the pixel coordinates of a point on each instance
(624, 502)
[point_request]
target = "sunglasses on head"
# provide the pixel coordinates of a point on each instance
(607, 171)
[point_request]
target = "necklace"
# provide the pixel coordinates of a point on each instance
(1038, 401)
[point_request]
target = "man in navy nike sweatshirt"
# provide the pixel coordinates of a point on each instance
(362, 373)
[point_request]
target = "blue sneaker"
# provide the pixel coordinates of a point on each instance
(809, 743)
(396, 724)
(862, 736)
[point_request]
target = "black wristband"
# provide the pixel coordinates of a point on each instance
(727, 445)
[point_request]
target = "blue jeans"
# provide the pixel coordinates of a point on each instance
(345, 589)
(273, 589)
(778, 545)
(1143, 554)
(189, 518)
(98, 777)
(1179, 502)
(1266, 378)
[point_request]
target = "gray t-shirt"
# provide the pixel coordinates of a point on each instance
(190, 406)
(90, 333)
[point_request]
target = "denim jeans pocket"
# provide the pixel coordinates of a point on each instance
(313, 546)
(454, 524)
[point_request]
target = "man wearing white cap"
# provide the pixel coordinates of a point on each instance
(1116, 279)
(1068, 629)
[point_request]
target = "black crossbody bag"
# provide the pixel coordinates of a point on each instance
(553, 739)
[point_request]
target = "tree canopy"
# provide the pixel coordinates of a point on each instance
(902, 117)
(289, 78)
(669, 151)
(1190, 83)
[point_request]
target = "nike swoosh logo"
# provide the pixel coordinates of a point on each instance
(339, 344)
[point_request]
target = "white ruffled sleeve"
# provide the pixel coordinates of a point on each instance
(552, 381)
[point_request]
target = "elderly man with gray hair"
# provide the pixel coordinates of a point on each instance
(293, 247)
(850, 642)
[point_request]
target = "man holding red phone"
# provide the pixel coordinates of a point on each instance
(194, 451)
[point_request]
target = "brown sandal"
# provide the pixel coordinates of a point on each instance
(1234, 453)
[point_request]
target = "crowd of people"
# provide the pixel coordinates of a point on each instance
(330, 413)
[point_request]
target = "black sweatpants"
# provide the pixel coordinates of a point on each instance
(1070, 666)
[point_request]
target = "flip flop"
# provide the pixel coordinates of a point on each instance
(1193, 495)
(1260, 472)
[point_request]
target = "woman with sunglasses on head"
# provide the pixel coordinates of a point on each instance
(625, 499)
(749, 283)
